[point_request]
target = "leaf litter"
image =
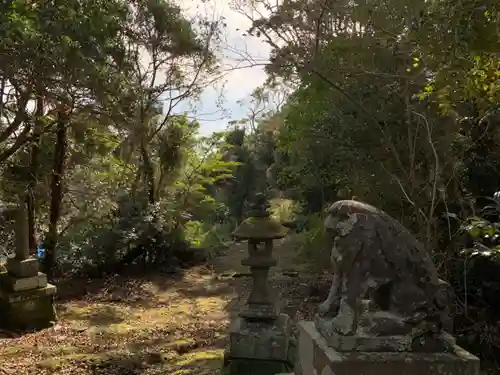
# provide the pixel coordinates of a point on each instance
(147, 325)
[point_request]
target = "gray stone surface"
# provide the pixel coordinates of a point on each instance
(26, 299)
(384, 282)
(17, 284)
(362, 343)
(22, 268)
(30, 309)
(242, 366)
(316, 357)
(22, 232)
(260, 340)
(26, 295)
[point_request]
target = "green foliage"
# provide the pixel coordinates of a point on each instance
(395, 103)
(478, 228)
(378, 102)
(312, 245)
(465, 61)
(211, 237)
(107, 242)
(132, 170)
(474, 273)
(185, 213)
(284, 210)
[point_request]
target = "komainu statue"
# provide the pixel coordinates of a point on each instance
(385, 284)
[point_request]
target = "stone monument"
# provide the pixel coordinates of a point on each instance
(387, 311)
(26, 299)
(260, 335)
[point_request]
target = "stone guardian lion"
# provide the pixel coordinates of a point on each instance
(384, 281)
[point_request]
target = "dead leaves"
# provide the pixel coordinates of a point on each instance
(147, 326)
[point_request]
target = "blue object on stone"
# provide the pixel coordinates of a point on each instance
(40, 252)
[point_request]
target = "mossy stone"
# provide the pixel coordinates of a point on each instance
(31, 309)
(260, 228)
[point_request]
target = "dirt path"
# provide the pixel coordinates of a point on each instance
(150, 326)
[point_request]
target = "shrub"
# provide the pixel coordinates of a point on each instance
(284, 210)
(475, 276)
(312, 245)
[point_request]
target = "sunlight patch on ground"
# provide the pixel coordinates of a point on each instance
(175, 310)
(198, 362)
(55, 363)
(202, 362)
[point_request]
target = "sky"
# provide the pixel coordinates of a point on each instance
(238, 83)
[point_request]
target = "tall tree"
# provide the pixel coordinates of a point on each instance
(174, 64)
(372, 111)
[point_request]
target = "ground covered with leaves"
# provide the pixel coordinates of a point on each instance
(160, 324)
(174, 324)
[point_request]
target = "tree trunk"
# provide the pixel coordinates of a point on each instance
(56, 194)
(33, 176)
(148, 173)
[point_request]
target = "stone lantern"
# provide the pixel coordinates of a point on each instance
(26, 299)
(260, 230)
(260, 335)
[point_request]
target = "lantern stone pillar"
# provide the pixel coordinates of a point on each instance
(260, 334)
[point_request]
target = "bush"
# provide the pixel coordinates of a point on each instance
(475, 276)
(312, 245)
(284, 210)
(211, 237)
(131, 233)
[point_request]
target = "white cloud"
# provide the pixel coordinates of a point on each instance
(237, 53)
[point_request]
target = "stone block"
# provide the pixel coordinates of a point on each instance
(259, 347)
(242, 366)
(260, 340)
(29, 309)
(22, 268)
(17, 284)
(316, 357)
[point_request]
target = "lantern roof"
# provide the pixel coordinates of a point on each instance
(260, 225)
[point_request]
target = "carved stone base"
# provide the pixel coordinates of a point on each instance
(28, 309)
(390, 343)
(262, 312)
(262, 346)
(315, 356)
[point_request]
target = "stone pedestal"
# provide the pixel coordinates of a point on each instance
(259, 347)
(28, 309)
(26, 299)
(259, 340)
(316, 357)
